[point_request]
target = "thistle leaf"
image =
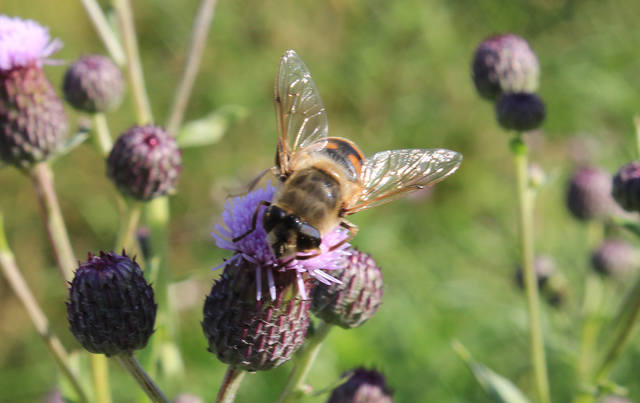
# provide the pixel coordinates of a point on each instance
(210, 128)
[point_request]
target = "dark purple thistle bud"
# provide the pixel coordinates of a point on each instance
(255, 335)
(111, 309)
(504, 64)
(363, 386)
(520, 111)
(589, 194)
(356, 299)
(145, 163)
(615, 258)
(93, 84)
(626, 186)
(33, 124)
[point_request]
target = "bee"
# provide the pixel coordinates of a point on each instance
(325, 179)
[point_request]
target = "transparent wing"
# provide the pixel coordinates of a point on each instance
(390, 174)
(300, 114)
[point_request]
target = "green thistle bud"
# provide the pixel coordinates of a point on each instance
(357, 299)
(520, 111)
(145, 163)
(250, 334)
(363, 386)
(111, 308)
(93, 84)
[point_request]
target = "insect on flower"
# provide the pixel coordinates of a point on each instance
(325, 179)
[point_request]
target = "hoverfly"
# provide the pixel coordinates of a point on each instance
(325, 179)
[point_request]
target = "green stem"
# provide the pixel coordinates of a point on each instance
(204, 16)
(100, 375)
(105, 32)
(132, 365)
(19, 286)
(101, 134)
(636, 124)
(134, 67)
(519, 150)
(230, 384)
(304, 361)
(128, 225)
(42, 179)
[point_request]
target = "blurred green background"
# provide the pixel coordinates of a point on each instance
(393, 74)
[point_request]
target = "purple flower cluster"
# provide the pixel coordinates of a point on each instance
(254, 248)
(24, 43)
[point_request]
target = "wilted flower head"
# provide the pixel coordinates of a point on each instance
(93, 84)
(504, 64)
(145, 162)
(32, 120)
(615, 258)
(356, 299)
(111, 307)
(626, 186)
(254, 248)
(363, 386)
(520, 111)
(589, 194)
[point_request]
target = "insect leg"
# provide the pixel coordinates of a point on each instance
(251, 185)
(353, 230)
(254, 221)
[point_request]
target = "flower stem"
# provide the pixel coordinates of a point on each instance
(19, 286)
(101, 134)
(100, 375)
(304, 360)
(230, 384)
(128, 225)
(134, 67)
(519, 150)
(204, 16)
(132, 365)
(636, 124)
(42, 179)
(105, 32)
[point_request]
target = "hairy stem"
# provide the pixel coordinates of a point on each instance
(105, 32)
(230, 384)
(145, 382)
(101, 134)
(304, 360)
(100, 375)
(128, 225)
(519, 150)
(204, 16)
(42, 179)
(19, 286)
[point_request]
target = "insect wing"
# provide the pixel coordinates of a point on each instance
(300, 114)
(390, 174)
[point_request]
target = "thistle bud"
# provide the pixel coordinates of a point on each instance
(93, 84)
(589, 194)
(356, 298)
(255, 335)
(552, 284)
(615, 258)
(33, 124)
(145, 163)
(363, 386)
(111, 308)
(520, 111)
(626, 186)
(503, 64)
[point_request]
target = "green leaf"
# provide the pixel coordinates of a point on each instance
(210, 129)
(74, 141)
(499, 388)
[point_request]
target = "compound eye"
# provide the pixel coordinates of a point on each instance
(308, 237)
(272, 216)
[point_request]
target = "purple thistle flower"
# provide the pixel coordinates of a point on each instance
(254, 248)
(24, 43)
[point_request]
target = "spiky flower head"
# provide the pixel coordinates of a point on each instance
(520, 111)
(254, 248)
(503, 64)
(111, 308)
(363, 386)
(252, 334)
(356, 299)
(615, 258)
(626, 186)
(33, 124)
(589, 194)
(145, 162)
(93, 84)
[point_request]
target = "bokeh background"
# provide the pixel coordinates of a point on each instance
(393, 74)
